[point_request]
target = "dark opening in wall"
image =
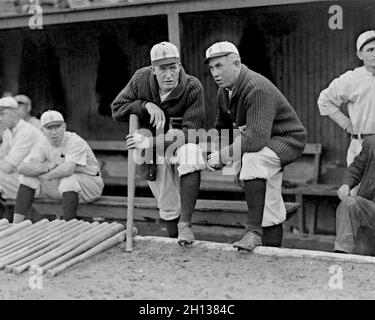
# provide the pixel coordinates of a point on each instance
(113, 72)
(39, 76)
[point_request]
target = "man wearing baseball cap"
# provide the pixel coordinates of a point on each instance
(61, 166)
(157, 94)
(271, 136)
(17, 141)
(24, 105)
(356, 89)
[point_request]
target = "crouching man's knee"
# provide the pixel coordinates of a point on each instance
(31, 182)
(189, 158)
(69, 184)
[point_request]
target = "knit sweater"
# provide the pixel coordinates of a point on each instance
(269, 119)
(362, 170)
(185, 100)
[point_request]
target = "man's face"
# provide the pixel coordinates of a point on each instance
(167, 75)
(54, 132)
(367, 55)
(8, 118)
(224, 71)
(23, 109)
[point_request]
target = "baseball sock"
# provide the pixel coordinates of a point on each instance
(172, 227)
(189, 188)
(255, 193)
(69, 205)
(273, 235)
(24, 200)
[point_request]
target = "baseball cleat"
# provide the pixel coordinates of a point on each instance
(249, 241)
(185, 235)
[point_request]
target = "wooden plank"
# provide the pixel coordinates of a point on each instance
(131, 10)
(207, 212)
(107, 145)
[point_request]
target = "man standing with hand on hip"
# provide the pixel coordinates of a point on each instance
(272, 136)
(357, 89)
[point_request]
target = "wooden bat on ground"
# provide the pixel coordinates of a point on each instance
(4, 222)
(133, 126)
(15, 228)
(37, 236)
(110, 231)
(114, 240)
(30, 249)
(21, 265)
(70, 245)
(6, 242)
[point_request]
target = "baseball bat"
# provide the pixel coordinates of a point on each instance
(31, 248)
(15, 228)
(24, 233)
(4, 222)
(36, 237)
(70, 245)
(110, 242)
(21, 265)
(105, 234)
(133, 126)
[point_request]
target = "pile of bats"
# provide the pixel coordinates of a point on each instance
(54, 246)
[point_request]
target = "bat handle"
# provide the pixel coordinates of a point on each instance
(133, 126)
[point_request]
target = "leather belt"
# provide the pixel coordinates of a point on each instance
(360, 136)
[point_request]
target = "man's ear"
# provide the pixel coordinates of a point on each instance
(152, 69)
(359, 55)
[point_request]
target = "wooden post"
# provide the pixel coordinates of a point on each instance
(174, 30)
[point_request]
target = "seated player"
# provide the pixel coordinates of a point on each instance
(62, 166)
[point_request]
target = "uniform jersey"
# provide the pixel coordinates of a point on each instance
(19, 141)
(357, 89)
(73, 148)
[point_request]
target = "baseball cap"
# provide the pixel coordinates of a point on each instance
(164, 53)
(51, 117)
(220, 49)
(8, 102)
(22, 99)
(365, 38)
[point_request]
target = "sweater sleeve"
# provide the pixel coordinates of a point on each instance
(127, 101)
(354, 173)
(260, 113)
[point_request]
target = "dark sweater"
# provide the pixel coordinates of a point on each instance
(185, 100)
(362, 170)
(269, 118)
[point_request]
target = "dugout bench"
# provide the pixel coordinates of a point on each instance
(300, 178)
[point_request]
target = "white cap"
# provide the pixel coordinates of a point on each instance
(8, 102)
(164, 53)
(51, 116)
(220, 49)
(365, 38)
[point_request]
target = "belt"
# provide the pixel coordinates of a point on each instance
(360, 136)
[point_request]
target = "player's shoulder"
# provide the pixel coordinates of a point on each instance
(142, 73)
(193, 82)
(73, 138)
(352, 74)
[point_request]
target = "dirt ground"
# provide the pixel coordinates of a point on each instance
(165, 271)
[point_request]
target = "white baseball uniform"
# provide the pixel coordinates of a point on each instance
(86, 179)
(16, 145)
(357, 89)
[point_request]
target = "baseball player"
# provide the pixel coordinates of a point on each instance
(24, 104)
(356, 88)
(18, 139)
(61, 166)
(271, 137)
(156, 94)
(358, 210)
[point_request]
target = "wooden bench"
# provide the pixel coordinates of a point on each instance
(207, 212)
